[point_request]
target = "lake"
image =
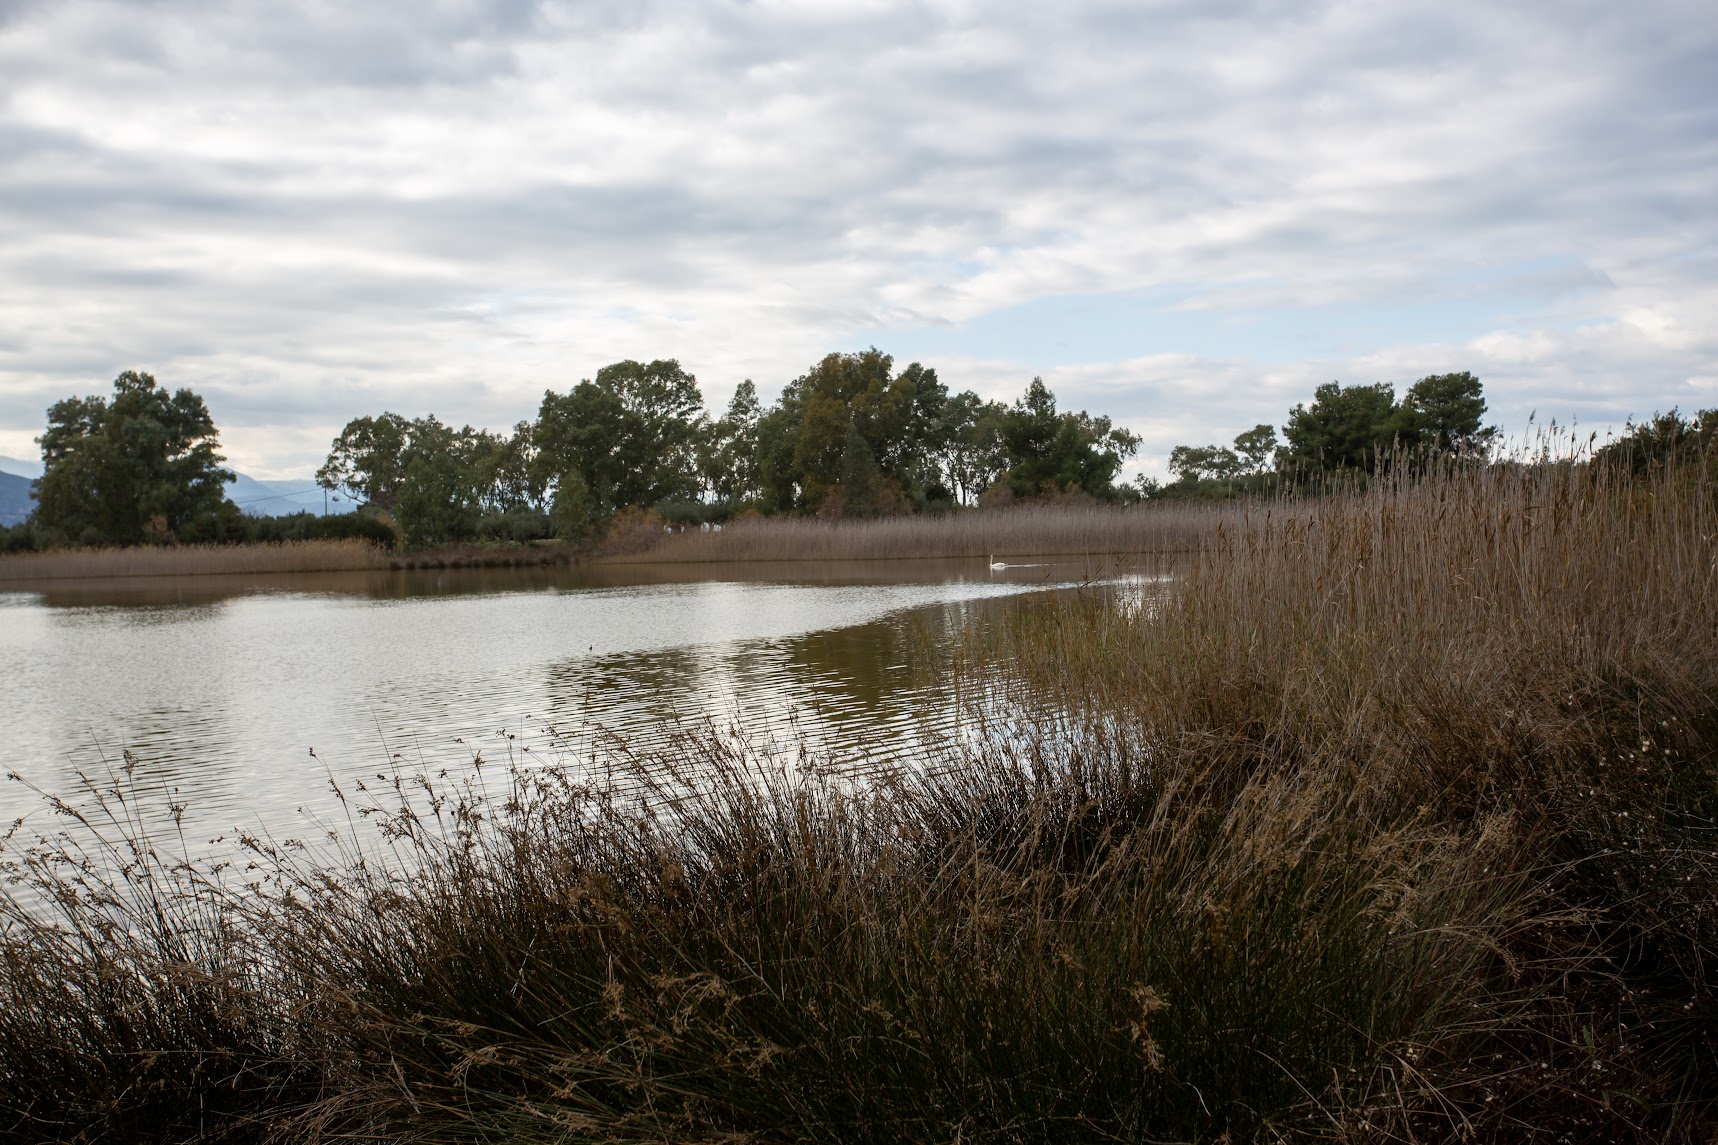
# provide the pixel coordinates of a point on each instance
(242, 697)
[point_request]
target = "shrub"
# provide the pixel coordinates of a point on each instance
(631, 531)
(518, 527)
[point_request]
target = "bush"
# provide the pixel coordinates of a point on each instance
(21, 538)
(631, 531)
(683, 514)
(517, 528)
(362, 526)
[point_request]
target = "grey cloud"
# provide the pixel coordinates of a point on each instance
(409, 197)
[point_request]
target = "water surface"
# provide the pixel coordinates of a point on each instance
(243, 696)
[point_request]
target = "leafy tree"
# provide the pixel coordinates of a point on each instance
(1443, 413)
(825, 430)
(573, 512)
(506, 470)
(1204, 463)
(632, 434)
(778, 440)
(929, 432)
(728, 461)
(441, 495)
(974, 454)
(1051, 453)
(857, 392)
(141, 466)
(861, 492)
(1343, 428)
(1256, 447)
(852, 417)
(1665, 439)
(367, 460)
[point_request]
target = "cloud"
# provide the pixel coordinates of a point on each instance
(312, 211)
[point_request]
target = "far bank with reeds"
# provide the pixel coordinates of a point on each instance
(1395, 819)
(193, 560)
(282, 557)
(1032, 530)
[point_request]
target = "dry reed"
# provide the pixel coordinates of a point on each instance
(1055, 530)
(194, 560)
(1528, 654)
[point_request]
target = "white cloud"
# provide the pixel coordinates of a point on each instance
(314, 211)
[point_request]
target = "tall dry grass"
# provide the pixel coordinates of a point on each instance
(1394, 820)
(194, 560)
(1052, 530)
(1525, 655)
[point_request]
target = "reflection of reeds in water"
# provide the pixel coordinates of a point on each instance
(1392, 821)
(1057, 530)
(195, 560)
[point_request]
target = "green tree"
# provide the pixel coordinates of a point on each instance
(441, 494)
(1204, 463)
(1051, 453)
(929, 432)
(1665, 439)
(141, 466)
(778, 439)
(806, 449)
(1344, 428)
(859, 392)
(1256, 447)
(506, 470)
(1443, 413)
(367, 460)
(862, 492)
(974, 454)
(728, 459)
(632, 434)
(573, 511)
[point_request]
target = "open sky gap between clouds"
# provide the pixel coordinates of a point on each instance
(1185, 215)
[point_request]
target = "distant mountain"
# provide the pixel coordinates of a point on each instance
(278, 498)
(16, 500)
(257, 498)
(19, 466)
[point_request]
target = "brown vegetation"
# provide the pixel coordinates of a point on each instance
(1498, 690)
(194, 560)
(1047, 530)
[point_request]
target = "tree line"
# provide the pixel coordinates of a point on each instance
(851, 437)
(1345, 430)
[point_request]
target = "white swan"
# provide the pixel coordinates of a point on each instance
(996, 564)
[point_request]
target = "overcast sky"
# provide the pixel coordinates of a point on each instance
(1186, 215)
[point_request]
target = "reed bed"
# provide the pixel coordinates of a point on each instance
(195, 560)
(1395, 819)
(1525, 654)
(1051, 530)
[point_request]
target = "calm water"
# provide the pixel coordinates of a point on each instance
(224, 688)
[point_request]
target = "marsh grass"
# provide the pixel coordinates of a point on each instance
(1049, 530)
(1391, 820)
(194, 560)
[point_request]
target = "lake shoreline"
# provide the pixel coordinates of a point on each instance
(1086, 531)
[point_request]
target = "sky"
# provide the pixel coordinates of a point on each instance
(1185, 215)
